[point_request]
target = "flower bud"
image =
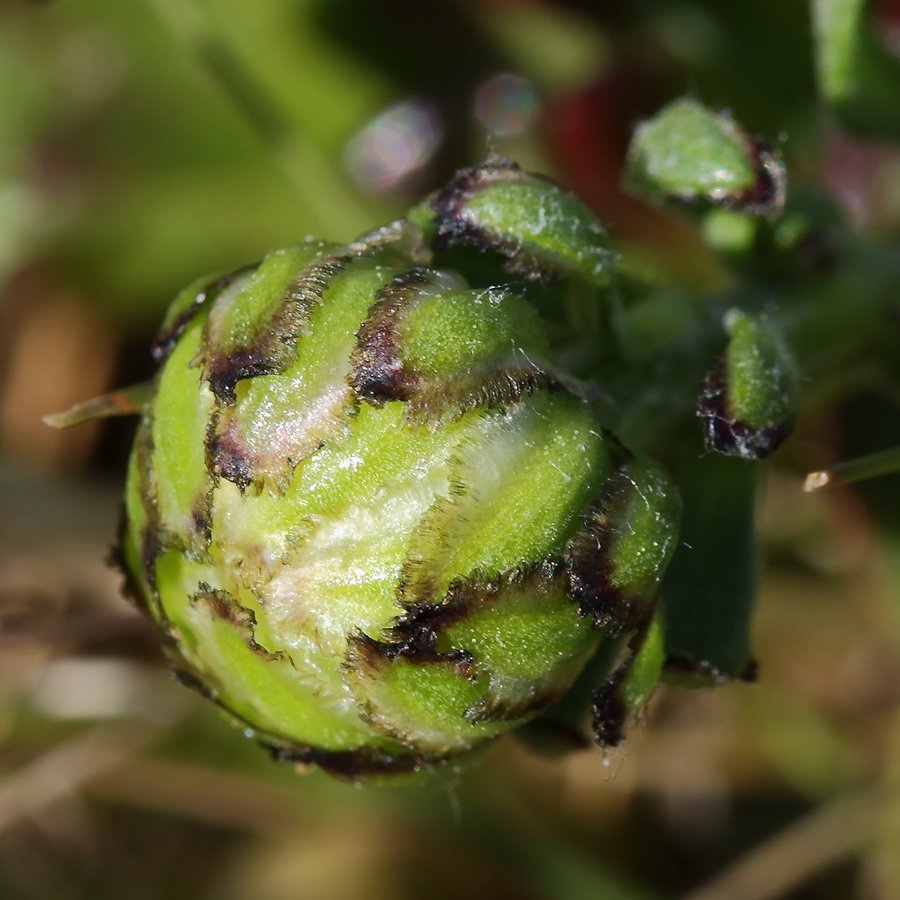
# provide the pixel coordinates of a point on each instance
(747, 399)
(689, 153)
(378, 526)
(543, 232)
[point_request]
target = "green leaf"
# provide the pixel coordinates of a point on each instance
(858, 76)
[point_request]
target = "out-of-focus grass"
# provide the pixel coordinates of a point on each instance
(147, 142)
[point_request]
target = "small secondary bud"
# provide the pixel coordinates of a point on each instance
(689, 153)
(746, 403)
(543, 231)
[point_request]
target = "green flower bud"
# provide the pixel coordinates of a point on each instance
(543, 231)
(689, 153)
(377, 525)
(747, 399)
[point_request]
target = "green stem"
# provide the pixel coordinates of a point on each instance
(709, 588)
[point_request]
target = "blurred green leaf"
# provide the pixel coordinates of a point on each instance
(859, 77)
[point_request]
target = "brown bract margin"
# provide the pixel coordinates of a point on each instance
(728, 435)
(272, 348)
(453, 228)
(167, 337)
(378, 375)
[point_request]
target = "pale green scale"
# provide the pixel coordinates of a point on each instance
(525, 634)
(548, 451)
(241, 323)
(384, 449)
(424, 704)
(451, 334)
(337, 540)
(271, 693)
(281, 419)
(181, 411)
(520, 644)
(342, 576)
(382, 455)
(647, 528)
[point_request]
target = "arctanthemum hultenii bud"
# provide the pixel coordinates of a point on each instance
(377, 524)
(747, 399)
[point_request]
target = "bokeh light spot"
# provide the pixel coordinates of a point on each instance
(506, 104)
(393, 145)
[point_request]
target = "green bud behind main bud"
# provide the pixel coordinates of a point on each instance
(747, 400)
(377, 524)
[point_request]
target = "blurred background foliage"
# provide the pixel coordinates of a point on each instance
(144, 143)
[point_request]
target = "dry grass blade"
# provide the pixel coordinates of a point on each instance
(884, 463)
(67, 767)
(826, 836)
(223, 798)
